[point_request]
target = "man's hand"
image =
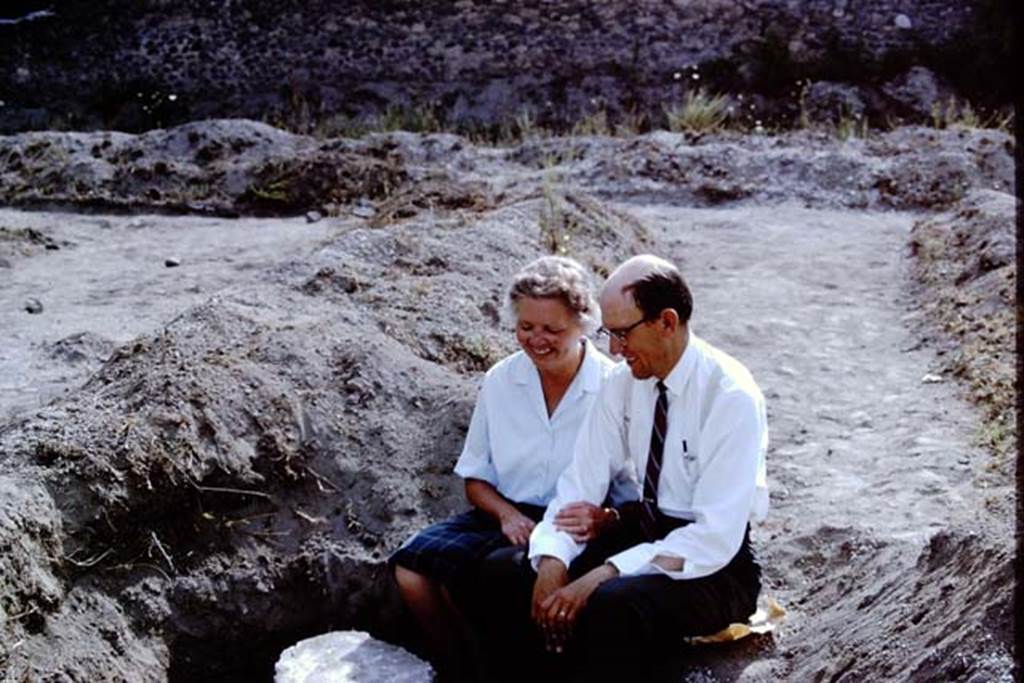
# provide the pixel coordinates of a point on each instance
(516, 526)
(583, 521)
(551, 576)
(557, 613)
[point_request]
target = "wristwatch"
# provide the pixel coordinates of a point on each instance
(613, 512)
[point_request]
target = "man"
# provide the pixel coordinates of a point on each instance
(684, 425)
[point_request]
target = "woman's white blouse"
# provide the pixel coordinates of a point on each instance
(512, 443)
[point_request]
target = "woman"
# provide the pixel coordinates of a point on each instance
(520, 438)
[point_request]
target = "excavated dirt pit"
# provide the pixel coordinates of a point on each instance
(216, 429)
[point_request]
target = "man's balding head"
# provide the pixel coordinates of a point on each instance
(652, 284)
(646, 306)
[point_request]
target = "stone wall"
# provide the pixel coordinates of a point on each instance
(140, 64)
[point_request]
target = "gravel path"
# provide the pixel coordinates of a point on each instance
(868, 461)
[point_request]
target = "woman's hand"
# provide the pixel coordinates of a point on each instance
(583, 521)
(516, 526)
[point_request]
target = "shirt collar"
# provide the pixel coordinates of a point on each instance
(524, 369)
(591, 369)
(683, 369)
(590, 372)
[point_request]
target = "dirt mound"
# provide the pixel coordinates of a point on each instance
(243, 167)
(948, 616)
(212, 475)
(430, 195)
(289, 185)
(235, 481)
(221, 167)
(965, 263)
(909, 168)
(867, 613)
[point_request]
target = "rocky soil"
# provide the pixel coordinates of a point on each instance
(114, 64)
(215, 428)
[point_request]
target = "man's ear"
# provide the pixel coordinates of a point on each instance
(669, 320)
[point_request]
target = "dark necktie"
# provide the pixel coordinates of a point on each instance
(649, 518)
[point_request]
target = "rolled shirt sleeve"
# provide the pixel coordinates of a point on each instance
(475, 461)
(735, 434)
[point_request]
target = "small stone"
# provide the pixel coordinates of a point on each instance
(363, 211)
(34, 306)
(861, 419)
(172, 262)
(903, 21)
(314, 216)
(931, 379)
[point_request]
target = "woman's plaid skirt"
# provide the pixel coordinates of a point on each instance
(451, 550)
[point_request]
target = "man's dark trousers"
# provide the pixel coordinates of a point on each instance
(628, 624)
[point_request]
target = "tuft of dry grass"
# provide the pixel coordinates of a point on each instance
(700, 112)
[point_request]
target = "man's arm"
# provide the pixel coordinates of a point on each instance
(733, 439)
(598, 455)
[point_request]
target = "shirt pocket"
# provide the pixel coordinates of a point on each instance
(691, 461)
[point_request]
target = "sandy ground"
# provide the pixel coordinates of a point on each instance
(868, 462)
(109, 283)
(279, 355)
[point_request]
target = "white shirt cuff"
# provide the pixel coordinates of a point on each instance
(558, 545)
(636, 560)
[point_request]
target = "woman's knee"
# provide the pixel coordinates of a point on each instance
(412, 584)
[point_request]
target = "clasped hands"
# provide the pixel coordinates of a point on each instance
(557, 602)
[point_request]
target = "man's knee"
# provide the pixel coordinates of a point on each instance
(504, 565)
(614, 617)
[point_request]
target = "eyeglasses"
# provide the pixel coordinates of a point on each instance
(622, 333)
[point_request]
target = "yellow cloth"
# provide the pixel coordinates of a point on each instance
(764, 620)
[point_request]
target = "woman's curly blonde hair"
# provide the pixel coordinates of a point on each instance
(561, 277)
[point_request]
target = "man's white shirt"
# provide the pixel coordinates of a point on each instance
(713, 468)
(512, 443)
